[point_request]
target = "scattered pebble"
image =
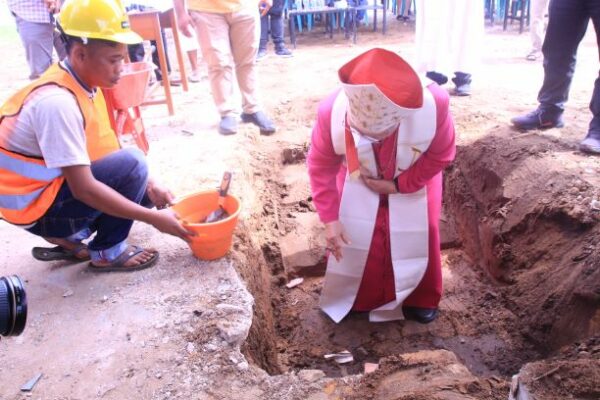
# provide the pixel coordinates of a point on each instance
(68, 293)
(311, 375)
(294, 282)
(191, 348)
(343, 357)
(370, 367)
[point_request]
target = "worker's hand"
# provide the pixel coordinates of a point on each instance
(264, 6)
(159, 195)
(53, 6)
(166, 221)
(336, 236)
(381, 186)
(185, 23)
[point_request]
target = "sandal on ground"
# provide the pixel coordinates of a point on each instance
(59, 253)
(118, 264)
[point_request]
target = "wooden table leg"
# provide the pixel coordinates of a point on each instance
(162, 60)
(172, 22)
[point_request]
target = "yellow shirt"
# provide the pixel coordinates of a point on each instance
(220, 6)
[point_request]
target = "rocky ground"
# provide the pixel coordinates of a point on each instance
(521, 237)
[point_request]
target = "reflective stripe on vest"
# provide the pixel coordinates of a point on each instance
(19, 202)
(31, 175)
(30, 170)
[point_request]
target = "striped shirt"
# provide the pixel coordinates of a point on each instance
(30, 10)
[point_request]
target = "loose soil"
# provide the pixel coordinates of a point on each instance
(520, 259)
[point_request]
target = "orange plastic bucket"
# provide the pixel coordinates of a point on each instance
(212, 240)
(130, 91)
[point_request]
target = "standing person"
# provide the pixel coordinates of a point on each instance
(375, 163)
(405, 16)
(137, 52)
(190, 46)
(536, 28)
(272, 22)
(448, 37)
(567, 24)
(35, 24)
(228, 32)
(63, 175)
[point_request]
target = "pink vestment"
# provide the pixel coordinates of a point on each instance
(327, 175)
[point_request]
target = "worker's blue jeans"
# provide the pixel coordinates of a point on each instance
(567, 23)
(126, 172)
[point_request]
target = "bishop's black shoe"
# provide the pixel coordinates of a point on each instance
(421, 315)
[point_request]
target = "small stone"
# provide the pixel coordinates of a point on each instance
(211, 347)
(462, 341)
(190, 347)
(68, 293)
(294, 282)
(370, 367)
(104, 298)
(311, 375)
(158, 375)
(243, 366)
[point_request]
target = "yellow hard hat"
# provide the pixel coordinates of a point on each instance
(97, 19)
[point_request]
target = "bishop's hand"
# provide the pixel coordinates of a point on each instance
(336, 236)
(377, 185)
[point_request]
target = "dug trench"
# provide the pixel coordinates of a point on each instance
(520, 266)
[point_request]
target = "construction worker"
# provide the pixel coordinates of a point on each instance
(63, 175)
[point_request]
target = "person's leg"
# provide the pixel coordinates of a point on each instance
(467, 30)
(536, 30)
(194, 76)
(213, 34)
(244, 35)
(126, 172)
(264, 35)
(193, 57)
(591, 143)
(155, 58)
(567, 23)
(276, 17)
(38, 40)
(59, 45)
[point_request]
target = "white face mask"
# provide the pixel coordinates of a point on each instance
(376, 137)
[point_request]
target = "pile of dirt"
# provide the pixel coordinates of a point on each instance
(574, 373)
(524, 210)
(519, 278)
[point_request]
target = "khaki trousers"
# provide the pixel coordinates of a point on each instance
(229, 40)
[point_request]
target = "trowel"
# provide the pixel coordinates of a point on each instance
(220, 212)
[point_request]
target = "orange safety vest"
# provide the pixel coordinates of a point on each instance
(27, 187)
